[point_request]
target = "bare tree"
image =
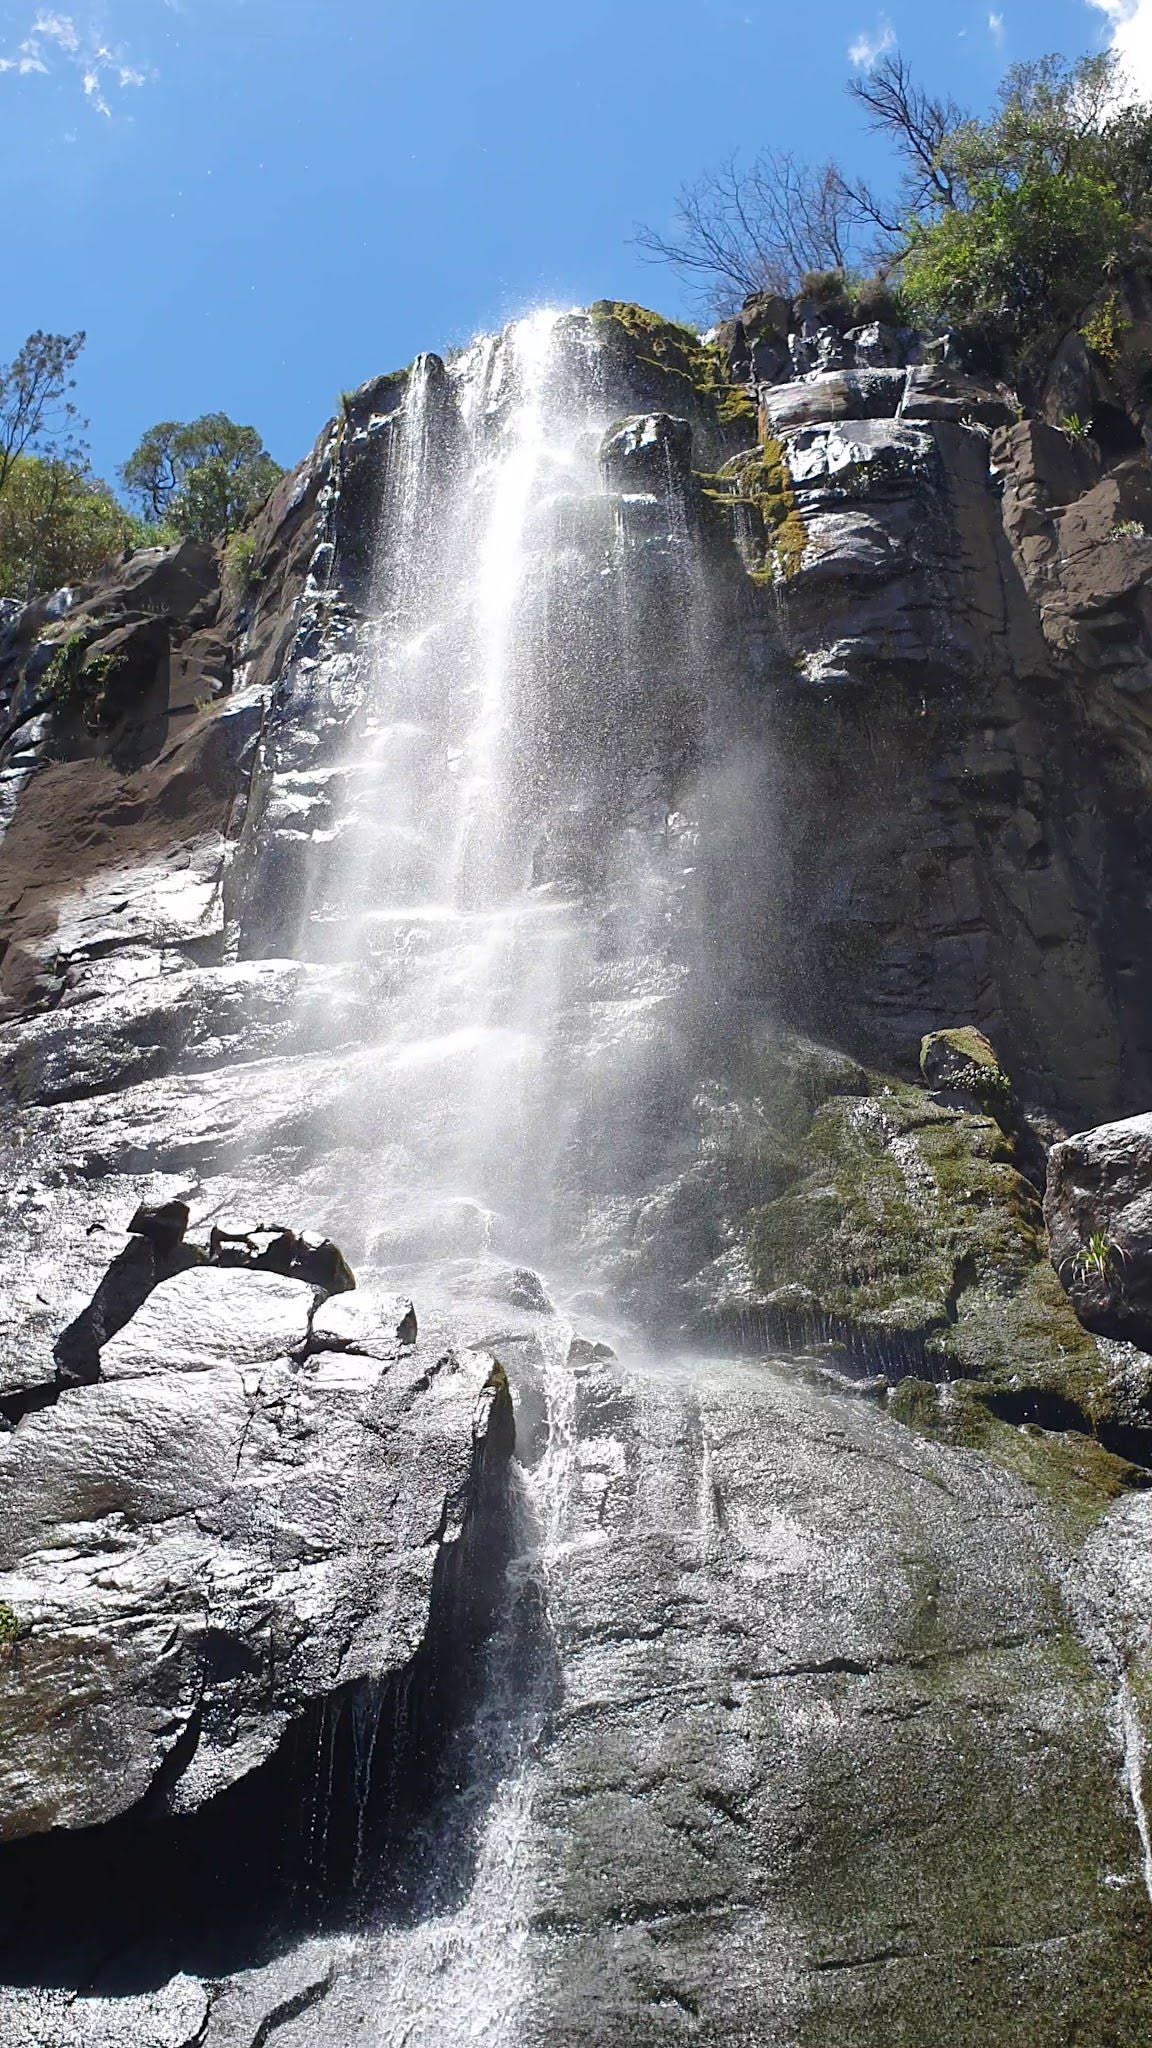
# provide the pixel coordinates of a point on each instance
(741, 230)
(755, 228)
(36, 412)
(923, 129)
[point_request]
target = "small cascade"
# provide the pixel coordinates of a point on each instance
(461, 1972)
(1132, 1736)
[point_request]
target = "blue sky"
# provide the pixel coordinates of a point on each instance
(251, 204)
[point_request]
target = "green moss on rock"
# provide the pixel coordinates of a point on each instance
(908, 1219)
(10, 1629)
(759, 483)
(1072, 1473)
(678, 353)
(963, 1062)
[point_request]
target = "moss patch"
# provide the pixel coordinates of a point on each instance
(909, 1219)
(700, 367)
(964, 1062)
(760, 484)
(1073, 1474)
(10, 1630)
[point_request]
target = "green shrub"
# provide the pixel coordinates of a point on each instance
(1105, 329)
(58, 524)
(876, 300)
(822, 285)
(63, 677)
(239, 565)
(1030, 254)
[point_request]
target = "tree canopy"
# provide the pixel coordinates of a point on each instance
(37, 415)
(1019, 218)
(58, 524)
(204, 478)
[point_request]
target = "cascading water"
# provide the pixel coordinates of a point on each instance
(512, 855)
(515, 865)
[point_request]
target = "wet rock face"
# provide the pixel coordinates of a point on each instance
(129, 712)
(831, 1764)
(242, 1516)
(819, 1901)
(960, 586)
(652, 453)
(935, 724)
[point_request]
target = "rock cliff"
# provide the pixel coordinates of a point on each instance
(785, 1679)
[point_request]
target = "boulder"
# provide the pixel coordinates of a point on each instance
(208, 1317)
(961, 1067)
(163, 1224)
(935, 393)
(367, 1321)
(196, 1550)
(276, 1249)
(322, 1264)
(833, 395)
(1098, 1209)
(878, 345)
(756, 342)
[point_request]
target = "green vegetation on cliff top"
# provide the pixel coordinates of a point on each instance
(1012, 226)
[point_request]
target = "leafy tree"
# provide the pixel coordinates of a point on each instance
(1048, 198)
(37, 416)
(1030, 253)
(205, 478)
(58, 524)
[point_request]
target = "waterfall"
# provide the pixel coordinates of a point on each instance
(502, 800)
(508, 850)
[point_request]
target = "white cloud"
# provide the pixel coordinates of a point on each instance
(57, 39)
(870, 45)
(1131, 38)
(996, 29)
(58, 28)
